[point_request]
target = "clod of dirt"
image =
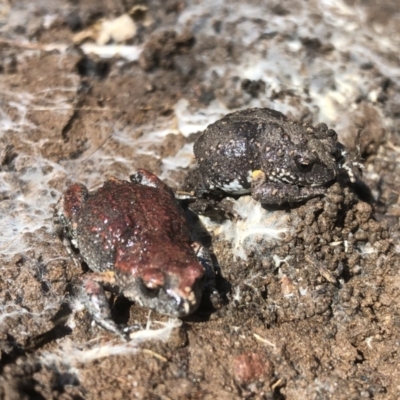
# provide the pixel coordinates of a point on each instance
(162, 48)
(251, 367)
(367, 119)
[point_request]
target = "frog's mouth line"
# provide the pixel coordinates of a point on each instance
(318, 184)
(169, 303)
(301, 184)
(288, 179)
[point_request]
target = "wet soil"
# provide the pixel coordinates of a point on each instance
(314, 314)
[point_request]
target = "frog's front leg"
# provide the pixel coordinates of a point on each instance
(210, 290)
(92, 295)
(279, 193)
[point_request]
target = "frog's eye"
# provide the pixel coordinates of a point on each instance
(331, 133)
(151, 282)
(149, 291)
(304, 164)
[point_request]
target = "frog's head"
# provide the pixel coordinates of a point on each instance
(310, 161)
(173, 289)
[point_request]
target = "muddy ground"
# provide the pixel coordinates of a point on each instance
(311, 296)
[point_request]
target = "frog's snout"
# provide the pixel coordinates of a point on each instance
(175, 292)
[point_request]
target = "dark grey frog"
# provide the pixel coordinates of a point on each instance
(260, 151)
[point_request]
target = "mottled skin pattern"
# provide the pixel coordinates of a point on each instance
(260, 151)
(134, 236)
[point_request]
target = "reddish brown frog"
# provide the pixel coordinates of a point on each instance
(135, 237)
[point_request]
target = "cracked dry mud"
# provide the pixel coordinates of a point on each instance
(310, 314)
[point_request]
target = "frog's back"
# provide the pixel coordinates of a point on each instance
(241, 126)
(229, 149)
(122, 215)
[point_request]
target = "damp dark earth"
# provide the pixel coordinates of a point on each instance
(310, 302)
